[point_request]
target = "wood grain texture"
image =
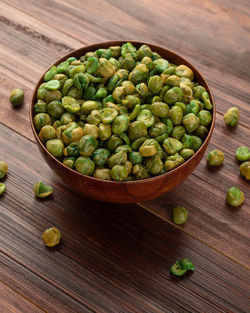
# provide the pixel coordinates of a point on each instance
(111, 259)
(12, 302)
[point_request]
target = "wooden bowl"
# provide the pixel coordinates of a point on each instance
(131, 191)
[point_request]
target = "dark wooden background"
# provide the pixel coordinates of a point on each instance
(116, 258)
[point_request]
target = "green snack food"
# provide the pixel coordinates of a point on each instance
(16, 97)
(235, 197)
(177, 269)
(179, 215)
(242, 154)
(187, 265)
(41, 190)
(215, 158)
(3, 169)
(51, 237)
(231, 117)
(245, 170)
(84, 165)
(2, 188)
(122, 106)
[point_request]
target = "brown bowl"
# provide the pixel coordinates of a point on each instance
(128, 191)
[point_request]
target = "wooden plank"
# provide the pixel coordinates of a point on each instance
(12, 302)
(111, 259)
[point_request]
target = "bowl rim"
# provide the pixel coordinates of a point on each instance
(94, 47)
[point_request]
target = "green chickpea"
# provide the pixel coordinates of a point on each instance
(244, 170)
(90, 105)
(136, 130)
(50, 73)
(215, 158)
(81, 81)
(179, 215)
(104, 131)
(101, 93)
(94, 118)
(69, 161)
(160, 109)
(173, 81)
(51, 237)
(3, 169)
(120, 124)
(147, 117)
(41, 92)
(158, 129)
(91, 65)
(72, 133)
(53, 95)
(139, 74)
(41, 190)
(16, 97)
(205, 117)
(154, 165)
(87, 145)
(186, 153)
(73, 70)
(191, 122)
(89, 93)
(142, 90)
(113, 143)
(116, 51)
(41, 119)
(108, 115)
(184, 71)
(119, 173)
(195, 106)
(169, 125)
(66, 86)
(128, 49)
(135, 157)
(61, 68)
(155, 84)
(67, 118)
(55, 109)
(55, 147)
(47, 132)
(57, 124)
(140, 171)
(242, 154)
(146, 51)
(135, 112)
(106, 69)
(127, 63)
(235, 197)
(201, 131)
(176, 115)
(178, 132)
(2, 188)
(173, 162)
(101, 156)
(52, 85)
(173, 95)
(148, 148)
(124, 148)
(160, 65)
(206, 100)
(172, 146)
(71, 150)
(137, 143)
(119, 158)
(84, 165)
(70, 104)
(197, 91)
(102, 173)
(40, 107)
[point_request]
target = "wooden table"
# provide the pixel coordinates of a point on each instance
(116, 258)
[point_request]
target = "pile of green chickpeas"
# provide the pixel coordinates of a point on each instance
(122, 113)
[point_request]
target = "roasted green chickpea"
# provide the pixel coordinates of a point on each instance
(51, 237)
(16, 97)
(3, 169)
(101, 156)
(72, 133)
(41, 190)
(158, 129)
(104, 131)
(47, 132)
(245, 170)
(55, 147)
(154, 165)
(179, 215)
(41, 119)
(147, 117)
(149, 148)
(201, 131)
(139, 74)
(113, 143)
(69, 162)
(173, 161)
(84, 165)
(70, 104)
(172, 146)
(40, 107)
(120, 124)
(173, 95)
(186, 153)
(71, 150)
(119, 158)
(235, 197)
(119, 173)
(135, 157)
(137, 129)
(178, 132)
(87, 145)
(176, 115)
(242, 154)
(140, 171)
(2, 188)
(205, 117)
(191, 122)
(160, 109)
(155, 84)
(215, 157)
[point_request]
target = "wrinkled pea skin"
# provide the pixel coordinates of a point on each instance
(16, 97)
(51, 237)
(215, 157)
(179, 215)
(244, 170)
(235, 197)
(242, 154)
(41, 190)
(124, 113)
